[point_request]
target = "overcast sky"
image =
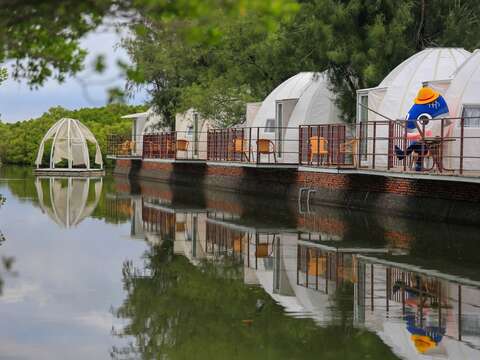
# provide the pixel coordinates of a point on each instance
(18, 102)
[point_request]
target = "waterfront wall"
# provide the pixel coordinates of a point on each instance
(438, 200)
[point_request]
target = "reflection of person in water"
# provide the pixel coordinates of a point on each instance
(428, 105)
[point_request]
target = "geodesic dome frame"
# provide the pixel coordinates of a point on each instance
(70, 142)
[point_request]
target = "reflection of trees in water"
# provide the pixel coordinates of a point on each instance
(6, 262)
(177, 310)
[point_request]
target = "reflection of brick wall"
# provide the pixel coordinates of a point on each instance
(432, 199)
(322, 223)
(123, 163)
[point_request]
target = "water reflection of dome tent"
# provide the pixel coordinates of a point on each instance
(70, 140)
(394, 96)
(69, 201)
(437, 337)
(304, 99)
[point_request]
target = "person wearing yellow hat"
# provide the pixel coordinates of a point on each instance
(428, 104)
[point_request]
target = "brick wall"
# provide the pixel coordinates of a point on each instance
(429, 199)
(437, 189)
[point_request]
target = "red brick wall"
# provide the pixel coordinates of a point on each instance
(156, 166)
(287, 181)
(439, 189)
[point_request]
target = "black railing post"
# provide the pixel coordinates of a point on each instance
(462, 140)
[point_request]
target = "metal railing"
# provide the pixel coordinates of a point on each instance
(329, 145)
(121, 146)
(254, 145)
(174, 145)
(441, 146)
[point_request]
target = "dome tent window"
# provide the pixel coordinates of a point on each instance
(69, 142)
(471, 114)
(270, 126)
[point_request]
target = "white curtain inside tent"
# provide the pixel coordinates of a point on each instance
(70, 140)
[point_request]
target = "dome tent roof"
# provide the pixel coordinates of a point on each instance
(311, 90)
(70, 139)
(465, 85)
(403, 82)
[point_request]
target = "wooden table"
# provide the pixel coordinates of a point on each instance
(434, 146)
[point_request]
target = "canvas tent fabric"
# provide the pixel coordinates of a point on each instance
(395, 94)
(307, 99)
(70, 140)
(463, 99)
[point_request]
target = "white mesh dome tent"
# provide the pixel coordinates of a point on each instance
(68, 200)
(70, 140)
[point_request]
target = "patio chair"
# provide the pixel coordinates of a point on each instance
(261, 250)
(312, 269)
(350, 148)
(182, 145)
(240, 146)
(126, 147)
(318, 147)
(266, 147)
(237, 245)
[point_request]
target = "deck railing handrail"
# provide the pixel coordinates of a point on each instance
(451, 145)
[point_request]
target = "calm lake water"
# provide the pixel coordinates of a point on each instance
(105, 268)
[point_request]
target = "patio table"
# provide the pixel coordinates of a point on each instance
(434, 145)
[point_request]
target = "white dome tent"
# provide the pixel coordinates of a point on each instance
(463, 99)
(394, 96)
(69, 142)
(303, 99)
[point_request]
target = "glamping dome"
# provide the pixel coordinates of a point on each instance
(70, 140)
(67, 201)
(394, 96)
(301, 100)
(463, 99)
(403, 82)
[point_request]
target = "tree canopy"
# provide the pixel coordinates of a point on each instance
(216, 55)
(236, 59)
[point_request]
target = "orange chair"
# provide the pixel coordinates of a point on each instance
(318, 147)
(350, 148)
(182, 145)
(312, 268)
(126, 147)
(240, 146)
(237, 245)
(266, 147)
(261, 250)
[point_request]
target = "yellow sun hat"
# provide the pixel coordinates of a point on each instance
(423, 343)
(426, 95)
